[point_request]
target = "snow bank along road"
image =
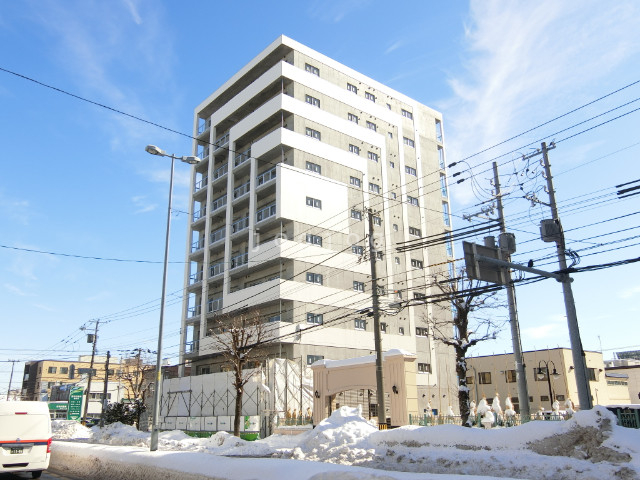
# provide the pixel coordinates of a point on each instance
(345, 446)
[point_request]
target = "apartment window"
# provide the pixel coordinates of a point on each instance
(273, 318)
(52, 370)
(441, 157)
(415, 231)
(315, 318)
(312, 100)
(544, 398)
(560, 398)
(443, 185)
(445, 214)
(400, 330)
(352, 118)
(484, 378)
(422, 332)
(412, 200)
(392, 164)
(370, 96)
(355, 181)
(372, 126)
(312, 69)
(407, 141)
(419, 296)
(311, 359)
(314, 202)
(383, 327)
(377, 221)
(393, 195)
(352, 88)
(64, 370)
(416, 263)
(411, 171)
(397, 260)
(314, 239)
(357, 249)
(314, 167)
(395, 227)
(354, 149)
(375, 188)
(314, 278)
(510, 376)
(379, 256)
(424, 368)
(439, 130)
(372, 156)
(355, 214)
(360, 324)
(358, 286)
(407, 114)
(592, 374)
(313, 133)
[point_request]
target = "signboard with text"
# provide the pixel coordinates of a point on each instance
(74, 411)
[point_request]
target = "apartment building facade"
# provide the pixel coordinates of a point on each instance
(295, 148)
(550, 376)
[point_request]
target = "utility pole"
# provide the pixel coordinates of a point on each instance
(104, 392)
(521, 378)
(579, 359)
(93, 354)
(13, 363)
(382, 414)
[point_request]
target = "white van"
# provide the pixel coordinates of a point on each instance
(25, 437)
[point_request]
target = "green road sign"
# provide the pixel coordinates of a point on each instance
(75, 404)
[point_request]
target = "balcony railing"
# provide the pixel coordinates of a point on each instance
(240, 225)
(204, 126)
(217, 235)
(197, 245)
(219, 203)
(203, 154)
(195, 278)
(266, 176)
(266, 212)
(242, 157)
(191, 347)
(200, 184)
(241, 190)
(239, 260)
(198, 214)
(221, 141)
(214, 304)
(221, 171)
(194, 311)
(216, 269)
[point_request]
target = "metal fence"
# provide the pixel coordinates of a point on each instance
(499, 421)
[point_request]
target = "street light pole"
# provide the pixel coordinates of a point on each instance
(554, 373)
(153, 150)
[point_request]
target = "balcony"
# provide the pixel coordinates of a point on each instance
(214, 305)
(194, 311)
(197, 245)
(240, 225)
(198, 214)
(242, 157)
(266, 177)
(203, 154)
(191, 348)
(218, 203)
(241, 190)
(200, 184)
(220, 172)
(239, 260)
(204, 125)
(195, 278)
(266, 212)
(217, 235)
(221, 142)
(216, 269)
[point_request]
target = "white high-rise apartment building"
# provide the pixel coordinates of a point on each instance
(295, 146)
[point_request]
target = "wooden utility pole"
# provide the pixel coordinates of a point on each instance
(104, 392)
(93, 355)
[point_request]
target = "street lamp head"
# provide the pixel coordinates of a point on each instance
(555, 374)
(153, 150)
(191, 160)
(540, 374)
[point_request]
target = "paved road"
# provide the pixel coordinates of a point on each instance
(47, 475)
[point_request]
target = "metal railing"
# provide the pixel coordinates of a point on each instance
(219, 202)
(241, 190)
(195, 278)
(221, 141)
(217, 235)
(191, 347)
(194, 311)
(200, 184)
(240, 225)
(204, 126)
(266, 177)
(216, 269)
(499, 421)
(266, 212)
(239, 260)
(221, 171)
(203, 154)
(214, 304)
(197, 245)
(242, 157)
(198, 214)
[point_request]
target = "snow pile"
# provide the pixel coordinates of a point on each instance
(119, 434)
(69, 430)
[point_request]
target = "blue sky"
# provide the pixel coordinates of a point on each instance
(75, 179)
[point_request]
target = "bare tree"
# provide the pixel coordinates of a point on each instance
(135, 376)
(467, 328)
(241, 339)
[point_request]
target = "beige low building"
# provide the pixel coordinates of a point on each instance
(550, 376)
(625, 371)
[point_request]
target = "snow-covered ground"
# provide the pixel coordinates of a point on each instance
(345, 446)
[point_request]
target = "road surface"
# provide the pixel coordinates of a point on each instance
(46, 475)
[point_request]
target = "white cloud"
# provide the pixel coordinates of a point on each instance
(16, 290)
(630, 292)
(131, 5)
(526, 61)
(141, 204)
(394, 46)
(555, 327)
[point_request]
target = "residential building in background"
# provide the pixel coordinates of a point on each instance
(550, 376)
(294, 148)
(626, 370)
